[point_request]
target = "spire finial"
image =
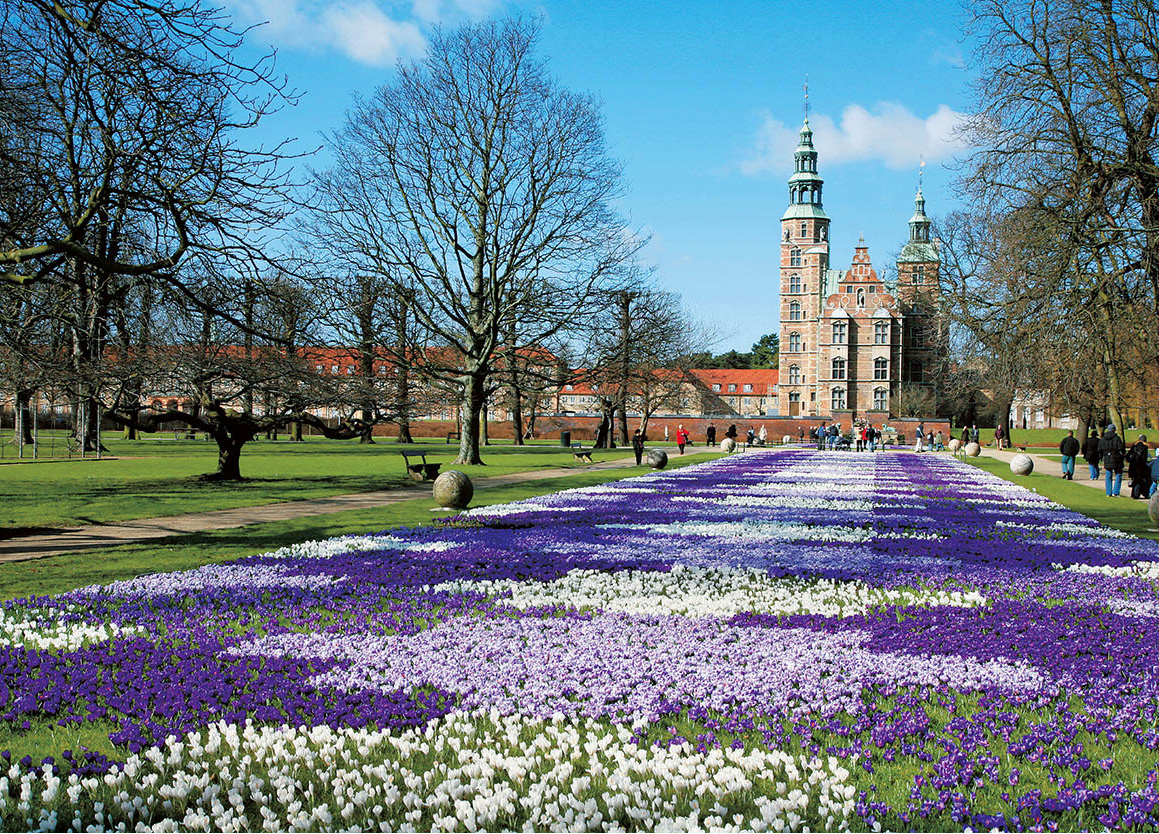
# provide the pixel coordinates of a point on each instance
(806, 88)
(921, 171)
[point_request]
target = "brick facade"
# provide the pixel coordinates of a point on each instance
(849, 340)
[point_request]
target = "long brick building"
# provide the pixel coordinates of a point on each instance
(850, 341)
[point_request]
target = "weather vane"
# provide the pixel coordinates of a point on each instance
(921, 171)
(806, 88)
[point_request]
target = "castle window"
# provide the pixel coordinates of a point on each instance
(794, 256)
(716, 386)
(838, 368)
(837, 399)
(794, 283)
(794, 311)
(732, 388)
(919, 274)
(880, 399)
(915, 371)
(881, 368)
(881, 333)
(804, 228)
(823, 233)
(794, 397)
(748, 388)
(795, 342)
(839, 332)
(861, 298)
(794, 374)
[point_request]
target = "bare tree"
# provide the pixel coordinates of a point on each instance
(479, 182)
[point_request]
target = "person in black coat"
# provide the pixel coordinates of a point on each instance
(1139, 469)
(1112, 450)
(638, 446)
(1069, 449)
(710, 435)
(1091, 453)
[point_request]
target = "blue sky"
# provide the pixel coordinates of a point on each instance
(703, 102)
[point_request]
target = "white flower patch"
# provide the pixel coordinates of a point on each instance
(707, 592)
(324, 548)
(1074, 529)
(1143, 570)
(45, 630)
(768, 531)
(465, 772)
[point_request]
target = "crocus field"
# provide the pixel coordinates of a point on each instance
(771, 641)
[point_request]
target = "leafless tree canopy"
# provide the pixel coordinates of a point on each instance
(482, 190)
(1058, 258)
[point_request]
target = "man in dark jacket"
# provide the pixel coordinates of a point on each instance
(1091, 454)
(638, 446)
(1112, 450)
(1069, 449)
(1138, 468)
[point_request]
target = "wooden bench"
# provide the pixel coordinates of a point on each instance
(420, 471)
(454, 435)
(580, 453)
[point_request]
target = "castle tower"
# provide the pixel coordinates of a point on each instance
(918, 294)
(804, 262)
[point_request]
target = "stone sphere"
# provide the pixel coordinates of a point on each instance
(657, 458)
(453, 489)
(787, 439)
(1021, 465)
(973, 449)
(728, 445)
(954, 445)
(1153, 508)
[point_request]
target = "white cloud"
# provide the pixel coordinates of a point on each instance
(890, 133)
(360, 29)
(367, 35)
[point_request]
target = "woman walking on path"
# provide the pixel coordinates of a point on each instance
(1112, 450)
(1091, 454)
(681, 437)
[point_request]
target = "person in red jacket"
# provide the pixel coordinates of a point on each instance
(681, 437)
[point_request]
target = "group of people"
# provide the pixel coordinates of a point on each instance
(928, 441)
(1111, 453)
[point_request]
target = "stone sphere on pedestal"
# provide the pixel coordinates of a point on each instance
(1153, 508)
(973, 449)
(954, 445)
(453, 489)
(728, 445)
(1021, 465)
(787, 439)
(657, 458)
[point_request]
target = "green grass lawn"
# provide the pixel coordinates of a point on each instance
(1122, 513)
(161, 476)
(56, 574)
(1042, 438)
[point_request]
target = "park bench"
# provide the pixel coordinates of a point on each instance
(420, 471)
(580, 453)
(454, 435)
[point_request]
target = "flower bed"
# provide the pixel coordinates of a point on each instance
(768, 641)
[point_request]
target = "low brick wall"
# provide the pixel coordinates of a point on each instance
(583, 429)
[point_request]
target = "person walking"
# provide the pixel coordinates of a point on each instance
(999, 436)
(763, 435)
(1112, 450)
(750, 437)
(681, 438)
(1139, 469)
(1069, 449)
(939, 446)
(665, 434)
(965, 436)
(974, 433)
(1091, 454)
(1154, 475)
(638, 445)
(800, 434)
(710, 435)
(920, 438)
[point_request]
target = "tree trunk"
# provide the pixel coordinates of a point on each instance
(228, 456)
(517, 416)
(296, 432)
(24, 415)
(470, 405)
(484, 437)
(367, 435)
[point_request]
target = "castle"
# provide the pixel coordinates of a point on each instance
(852, 344)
